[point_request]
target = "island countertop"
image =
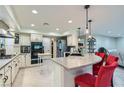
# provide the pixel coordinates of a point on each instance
(72, 62)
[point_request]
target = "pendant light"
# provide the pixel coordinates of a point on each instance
(86, 7)
(90, 33)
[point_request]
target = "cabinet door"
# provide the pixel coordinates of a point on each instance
(72, 40)
(36, 38)
(9, 46)
(8, 75)
(25, 39)
(13, 70)
(28, 59)
(23, 60)
(69, 40)
(1, 77)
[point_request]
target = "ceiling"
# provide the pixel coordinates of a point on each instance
(107, 19)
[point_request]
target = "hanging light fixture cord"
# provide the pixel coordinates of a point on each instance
(86, 7)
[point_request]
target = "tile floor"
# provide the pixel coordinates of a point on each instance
(39, 76)
(118, 77)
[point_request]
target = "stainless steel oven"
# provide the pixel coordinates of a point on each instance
(36, 47)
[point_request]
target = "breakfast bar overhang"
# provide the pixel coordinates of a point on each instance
(66, 68)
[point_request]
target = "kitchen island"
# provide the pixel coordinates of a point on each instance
(66, 68)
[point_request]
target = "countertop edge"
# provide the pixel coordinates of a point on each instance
(73, 67)
(10, 60)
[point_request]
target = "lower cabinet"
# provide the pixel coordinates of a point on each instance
(22, 60)
(6, 76)
(10, 71)
(25, 60)
(1, 77)
(28, 60)
(14, 69)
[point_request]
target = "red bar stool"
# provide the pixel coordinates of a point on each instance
(103, 80)
(111, 58)
(97, 66)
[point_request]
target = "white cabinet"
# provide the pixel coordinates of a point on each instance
(25, 60)
(47, 44)
(15, 69)
(8, 75)
(72, 40)
(1, 77)
(36, 38)
(9, 72)
(28, 59)
(9, 46)
(22, 60)
(25, 39)
(69, 40)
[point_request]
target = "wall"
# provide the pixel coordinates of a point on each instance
(107, 42)
(120, 44)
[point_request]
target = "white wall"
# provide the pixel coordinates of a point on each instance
(120, 44)
(107, 42)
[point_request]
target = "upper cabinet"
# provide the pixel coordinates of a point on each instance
(36, 38)
(9, 46)
(72, 40)
(25, 39)
(69, 40)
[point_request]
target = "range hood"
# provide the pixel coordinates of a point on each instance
(4, 30)
(6, 34)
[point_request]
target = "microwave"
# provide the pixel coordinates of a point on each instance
(25, 49)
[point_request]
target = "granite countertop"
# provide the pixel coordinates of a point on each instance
(4, 62)
(72, 62)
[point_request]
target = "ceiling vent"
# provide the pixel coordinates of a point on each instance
(46, 24)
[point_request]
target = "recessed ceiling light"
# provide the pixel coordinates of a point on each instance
(32, 25)
(46, 24)
(57, 29)
(69, 21)
(34, 12)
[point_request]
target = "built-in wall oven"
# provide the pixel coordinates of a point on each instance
(36, 47)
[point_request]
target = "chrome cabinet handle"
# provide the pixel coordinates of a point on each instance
(16, 65)
(10, 67)
(1, 75)
(5, 79)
